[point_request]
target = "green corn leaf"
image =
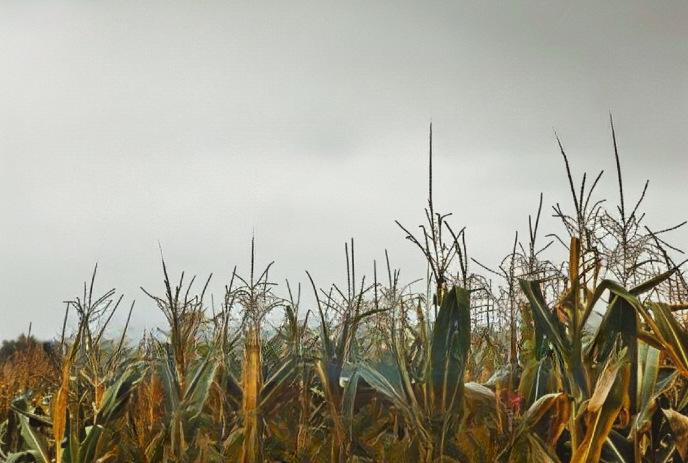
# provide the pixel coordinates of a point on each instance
(672, 334)
(652, 283)
(665, 380)
(547, 325)
(275, 386)
(43, 419)
(393, 388)
(36, 441)
(383, 385)
(613, 287)
(71, 451)
(451, 342)
(568, 351)
(648, 370)
(401, 361)
(198, 386)
(87, 450)
(170, 386)
(619, 291)
(621, 317)
(117, 396)
(232, 388)
(348, 401)
(538, 379)
(630, 297)
(617, 449)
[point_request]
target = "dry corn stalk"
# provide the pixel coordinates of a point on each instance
(251, 385)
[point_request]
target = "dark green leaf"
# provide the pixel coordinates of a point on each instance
(198, 387)
(451, 343)
(117, 395)
(34, 440)
(87, 452)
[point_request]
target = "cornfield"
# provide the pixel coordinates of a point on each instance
(375, 372)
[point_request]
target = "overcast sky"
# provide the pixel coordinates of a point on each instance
(193, 124)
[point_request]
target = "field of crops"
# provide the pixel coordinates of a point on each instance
(375, 372)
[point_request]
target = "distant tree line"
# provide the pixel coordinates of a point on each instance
(22, 344)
